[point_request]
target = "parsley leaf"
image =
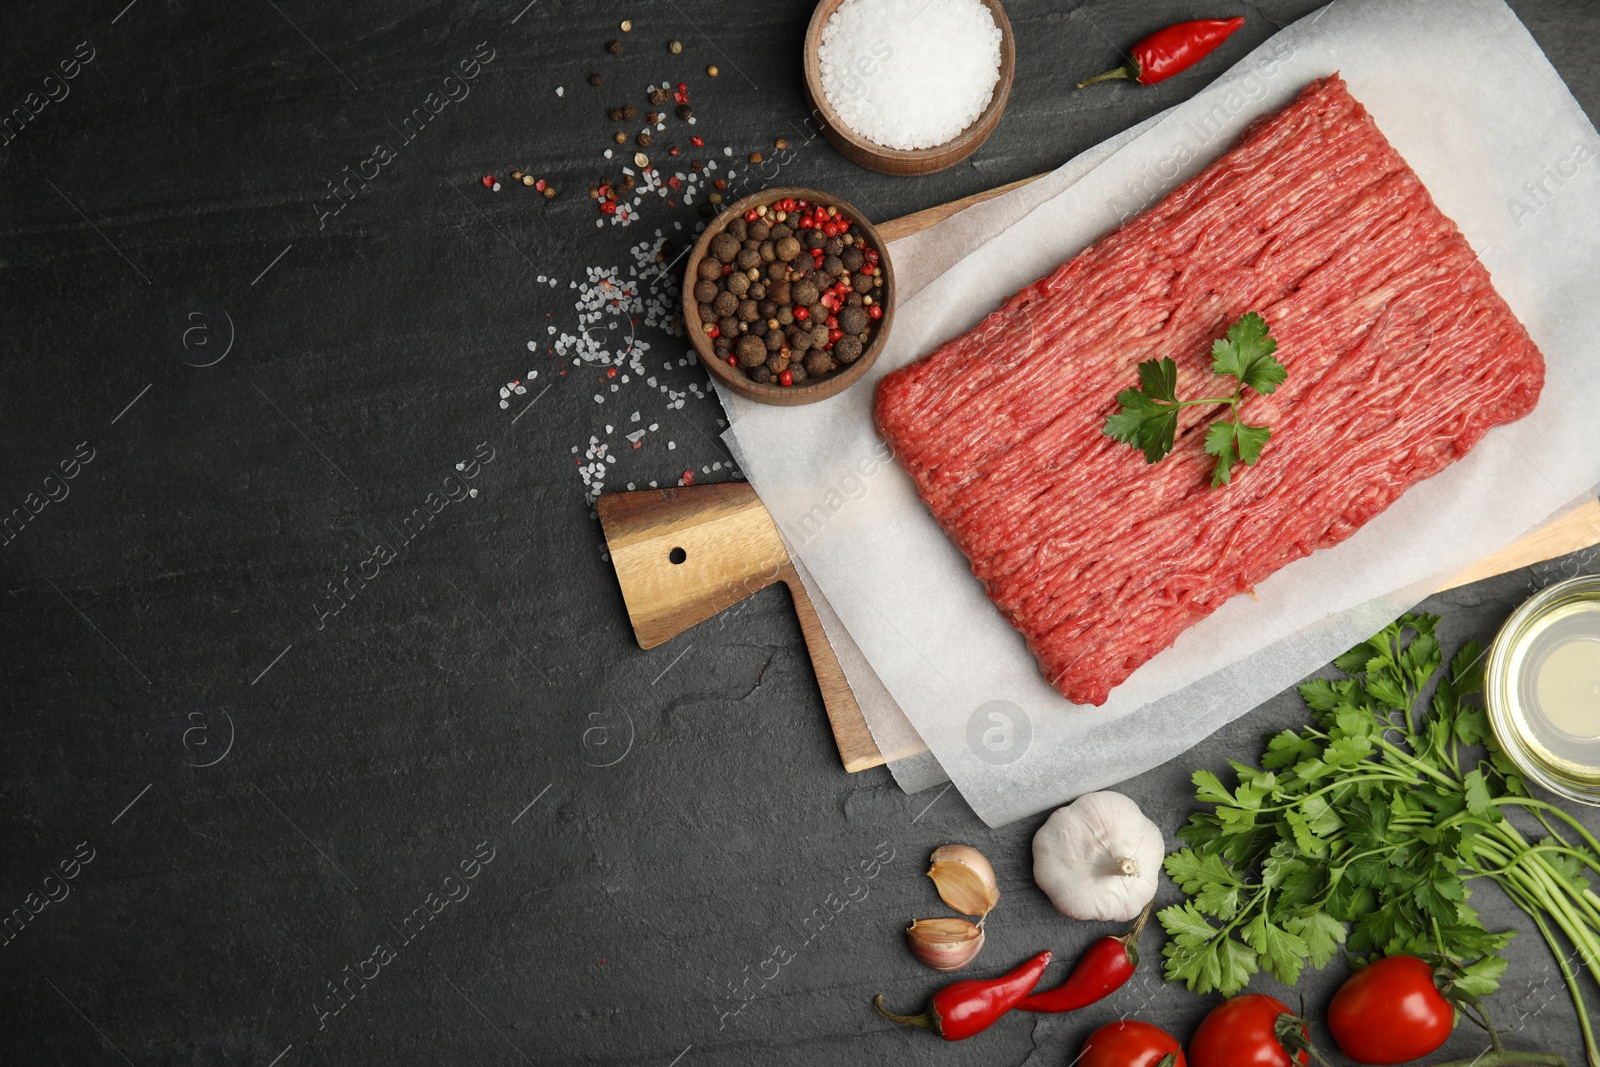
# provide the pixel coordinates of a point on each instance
(1246, 354)
(1144, 424)
(1147, 417)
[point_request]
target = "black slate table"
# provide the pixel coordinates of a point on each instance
(317, 677)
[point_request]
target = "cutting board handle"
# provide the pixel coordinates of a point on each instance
(857, 748)
(684, 555)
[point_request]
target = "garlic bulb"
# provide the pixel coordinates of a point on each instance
(1098, 858)
(944, 944)
(965, 879)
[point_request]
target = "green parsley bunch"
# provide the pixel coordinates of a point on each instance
(1366, 830)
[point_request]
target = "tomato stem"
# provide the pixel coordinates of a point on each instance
(1290, 1031)
(1478, 1014)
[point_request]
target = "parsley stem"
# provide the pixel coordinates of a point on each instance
(1559, 850)
(1402, 756)
(1541, 806)
(1527, 905)
(1342, 783)
(1231, 401)
(1536, 880)
(1510, 833)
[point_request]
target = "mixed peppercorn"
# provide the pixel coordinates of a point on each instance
(788, 292)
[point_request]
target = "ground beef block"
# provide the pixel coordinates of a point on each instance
(1400, 356)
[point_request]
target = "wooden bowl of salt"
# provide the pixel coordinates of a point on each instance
(865, 82)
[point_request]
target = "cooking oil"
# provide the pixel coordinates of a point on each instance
(1542, 684)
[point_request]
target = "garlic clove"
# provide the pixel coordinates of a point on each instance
(944, 944)
(965, 879)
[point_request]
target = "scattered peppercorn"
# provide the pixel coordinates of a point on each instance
(644, 139)
(628, 112)
(755, 157)
(653, 117)
(527, 179)
(658, 96)
(596, 80)
(614, 114)
(685, 112)
(626, 27)
(641, 160)
(712, 70)
(675, 47)
(614, 47)
(549, 192)
(620, 137)
(780, 144)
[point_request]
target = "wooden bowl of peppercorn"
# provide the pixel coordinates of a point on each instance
(799, 289)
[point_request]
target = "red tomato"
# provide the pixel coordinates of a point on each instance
(1239, 1033)
(1390, 1012)
(1128, 1043)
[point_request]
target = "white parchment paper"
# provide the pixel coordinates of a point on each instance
(1465, 94)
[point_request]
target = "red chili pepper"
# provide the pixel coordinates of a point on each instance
(1171, 51)
(958, 1011)
(1103, 969)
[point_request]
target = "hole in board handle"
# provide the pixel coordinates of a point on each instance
(677, 555)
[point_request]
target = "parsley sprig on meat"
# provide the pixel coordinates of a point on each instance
(1379, 816)
(1148, 418)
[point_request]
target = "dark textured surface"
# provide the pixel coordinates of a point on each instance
(300, 779)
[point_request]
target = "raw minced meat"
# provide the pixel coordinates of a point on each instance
(1400, 356)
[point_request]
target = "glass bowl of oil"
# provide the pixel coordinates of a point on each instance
(1542, 687)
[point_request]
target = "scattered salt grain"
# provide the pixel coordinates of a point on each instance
(909, 74)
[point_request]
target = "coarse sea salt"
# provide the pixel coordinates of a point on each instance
(909, 74)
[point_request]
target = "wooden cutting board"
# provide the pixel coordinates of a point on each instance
(685, 555)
